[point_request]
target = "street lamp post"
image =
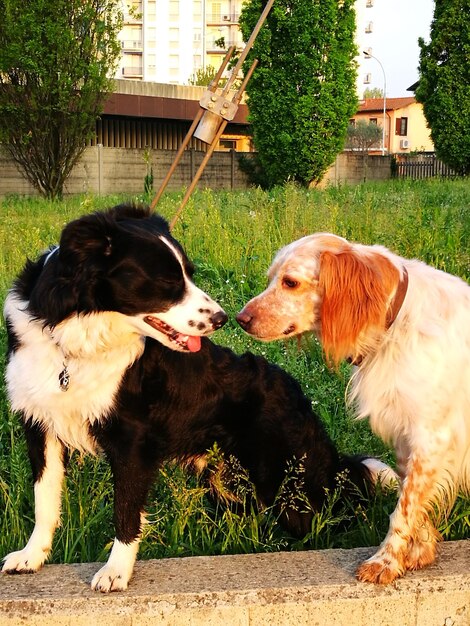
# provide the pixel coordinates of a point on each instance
(368, 55)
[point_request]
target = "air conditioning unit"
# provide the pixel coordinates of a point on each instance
(226, 18)
(404, 143)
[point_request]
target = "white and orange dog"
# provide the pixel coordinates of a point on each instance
(406, 328)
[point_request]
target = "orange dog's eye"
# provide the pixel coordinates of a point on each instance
(290, 283)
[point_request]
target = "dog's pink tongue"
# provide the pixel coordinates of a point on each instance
(194, 344)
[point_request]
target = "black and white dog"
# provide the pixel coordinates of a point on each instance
(107, 354)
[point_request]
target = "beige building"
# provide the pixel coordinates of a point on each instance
(168, 41)
(405, 125)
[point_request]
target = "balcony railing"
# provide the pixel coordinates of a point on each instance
(222, 18)
(131, 44)
(132, 71)
(211, 47)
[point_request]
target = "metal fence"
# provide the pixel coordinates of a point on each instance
(421, 166)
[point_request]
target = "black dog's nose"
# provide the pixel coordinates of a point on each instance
(244, 319)
(218, 319)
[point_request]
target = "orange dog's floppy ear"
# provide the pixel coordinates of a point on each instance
(355, 291)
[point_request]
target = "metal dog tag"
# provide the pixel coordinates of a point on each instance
(64, 379)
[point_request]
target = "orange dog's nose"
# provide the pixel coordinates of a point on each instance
(244, 319)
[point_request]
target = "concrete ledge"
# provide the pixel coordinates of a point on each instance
(294, 588)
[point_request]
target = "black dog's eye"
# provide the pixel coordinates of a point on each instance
(289, 283)
(171, 282)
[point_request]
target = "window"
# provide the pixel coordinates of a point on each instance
(228, 144)
(373, 120)
(369, 27)
(352, 122)
(174, 61)
(174, 10)
(135, 5)
(132, 37)
(132, 65)
(401, 126)
(215, 12)
(197, 10)
(369, 4)
(174, 38)
(151, 38)
(367, 79)
(151, 10)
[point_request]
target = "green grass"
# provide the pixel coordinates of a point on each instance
(232, 237)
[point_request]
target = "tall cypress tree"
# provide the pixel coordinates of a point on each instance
(444, 82)
(303, 91)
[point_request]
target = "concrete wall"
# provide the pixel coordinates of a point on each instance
(279, 589)
(122, 170)
(11, 179)
(352, 169)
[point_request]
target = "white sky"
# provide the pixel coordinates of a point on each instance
(397, 25)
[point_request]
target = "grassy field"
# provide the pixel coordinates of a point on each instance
(232, 238)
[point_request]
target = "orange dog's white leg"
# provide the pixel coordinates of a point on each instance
(411, 540)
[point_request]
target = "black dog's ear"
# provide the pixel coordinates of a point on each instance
(136, 212)
(70, 280)
(88, 237)
(128, 210)
(161, 224)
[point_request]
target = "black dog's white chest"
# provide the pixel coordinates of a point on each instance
(66, 393)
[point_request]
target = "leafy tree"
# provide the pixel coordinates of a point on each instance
(363, 135)
(373, 92)
(444, 82)
(203, 76)
(56, 63)
(220, 43)
(303, 92)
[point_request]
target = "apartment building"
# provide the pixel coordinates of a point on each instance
(168, 41)
(370, 73)
(389, 32)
